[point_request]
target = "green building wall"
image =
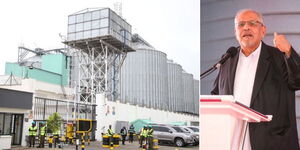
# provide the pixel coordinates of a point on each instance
(54, 69)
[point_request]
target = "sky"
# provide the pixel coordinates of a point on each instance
(171, 26)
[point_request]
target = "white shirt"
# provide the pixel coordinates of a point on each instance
(243, 87)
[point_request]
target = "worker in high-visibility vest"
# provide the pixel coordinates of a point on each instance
(32, 134)
(150, 137)
(143, 136)
(110, 133)
(42, 135)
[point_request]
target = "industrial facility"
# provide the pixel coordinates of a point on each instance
(105, 73)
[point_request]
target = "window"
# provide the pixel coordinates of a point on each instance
(87, 34)
(155, 128)
(79, 35)
(185, 130)
(104, 13)
(161, 129)
(71, 28)
(95, 24)
(103, 22)
(95, 15)
(7, 124)
(87, 25)
(194, 129)
(79, 27)
(79, 18)
(104, 31)
(95, 33)
(165, 129)
(87, 16)
(177, 129)
(72, 19)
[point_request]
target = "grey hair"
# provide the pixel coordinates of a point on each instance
(260, 18)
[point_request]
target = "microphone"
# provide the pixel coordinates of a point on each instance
(229, 53)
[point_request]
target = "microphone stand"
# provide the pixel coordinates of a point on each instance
(209, 71)
(230, 53)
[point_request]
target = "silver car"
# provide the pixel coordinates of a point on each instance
(193, 130)
(165, 133)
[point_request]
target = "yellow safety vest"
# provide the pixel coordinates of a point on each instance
(32, 131)
(150, 133)
(43, 130)
(110, 132)
(144, 133)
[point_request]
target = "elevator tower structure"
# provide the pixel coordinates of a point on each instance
(99, 40)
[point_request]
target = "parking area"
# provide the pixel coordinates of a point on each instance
(129, 146)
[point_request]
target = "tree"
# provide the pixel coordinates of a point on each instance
(54, 122)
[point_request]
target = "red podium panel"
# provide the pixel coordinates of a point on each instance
(218, 119)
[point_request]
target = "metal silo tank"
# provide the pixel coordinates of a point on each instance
(144, 78)
(188, 91)
(196, 96)
(175, 92)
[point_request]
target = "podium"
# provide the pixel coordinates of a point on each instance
(219, 115)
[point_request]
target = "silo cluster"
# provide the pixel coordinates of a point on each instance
(149, 79)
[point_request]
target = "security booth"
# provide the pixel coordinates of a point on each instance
(15, 112)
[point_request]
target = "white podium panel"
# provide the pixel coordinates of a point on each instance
(218, 119)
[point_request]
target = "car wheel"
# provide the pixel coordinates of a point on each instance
(195, 143)
(179, 142)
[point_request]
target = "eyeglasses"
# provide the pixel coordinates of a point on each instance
(251, 23)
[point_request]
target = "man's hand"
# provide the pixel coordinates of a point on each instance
(282, 44)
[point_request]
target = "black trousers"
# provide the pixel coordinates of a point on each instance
(42, 141)
(31, 140)
(56, 141)
(130, 138)
(142, 138)
(123, 139)
(150, 143)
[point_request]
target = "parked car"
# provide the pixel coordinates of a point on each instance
(194, 128)
(195, 133)
(165, 133)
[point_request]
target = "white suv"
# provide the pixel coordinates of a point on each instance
(171, 134)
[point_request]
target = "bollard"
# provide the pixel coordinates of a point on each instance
(105, 141)
(155, 144)
(116, 140)
(82, 144)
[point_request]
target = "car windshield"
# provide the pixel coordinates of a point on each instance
(178, 129)
(194, 129)
(185, 130)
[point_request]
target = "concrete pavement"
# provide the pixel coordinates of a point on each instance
(98, 146)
